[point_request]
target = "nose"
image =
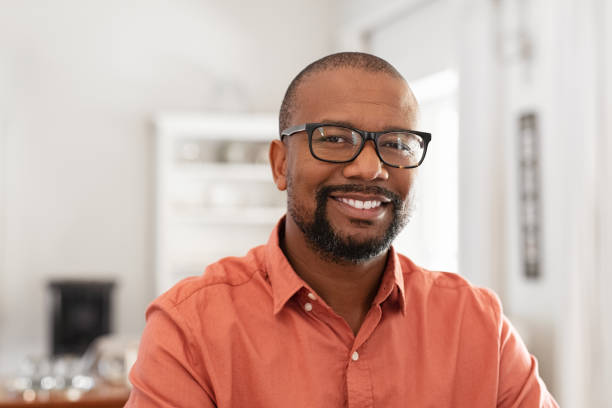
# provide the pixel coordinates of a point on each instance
(367, 165)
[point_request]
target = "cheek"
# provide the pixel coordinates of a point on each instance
(301, 185)
(306, 173)
(404, 182)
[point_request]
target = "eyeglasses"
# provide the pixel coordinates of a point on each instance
(331, 143)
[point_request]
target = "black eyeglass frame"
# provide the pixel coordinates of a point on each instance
(365, 136)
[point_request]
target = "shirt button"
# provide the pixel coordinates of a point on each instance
(355, 356)
(308, 307)
(312, 296)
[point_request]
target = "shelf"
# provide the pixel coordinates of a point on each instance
(232, 216)
(252, 126)
(206, 209)
(225, 171)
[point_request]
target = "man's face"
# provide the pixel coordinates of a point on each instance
(329, 201)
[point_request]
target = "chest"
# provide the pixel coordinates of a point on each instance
(305, 357)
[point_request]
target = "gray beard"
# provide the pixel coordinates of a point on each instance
(322, 237)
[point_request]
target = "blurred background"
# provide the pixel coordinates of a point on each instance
(133, 151)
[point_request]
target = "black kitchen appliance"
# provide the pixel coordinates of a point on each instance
(80, 313)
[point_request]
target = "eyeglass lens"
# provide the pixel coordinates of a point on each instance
(336, 143)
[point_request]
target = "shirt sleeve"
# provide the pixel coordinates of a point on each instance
(520, 385)
(166, 372)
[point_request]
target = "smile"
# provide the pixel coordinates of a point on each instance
(360, 205)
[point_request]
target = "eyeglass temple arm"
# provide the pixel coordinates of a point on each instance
(292, 130)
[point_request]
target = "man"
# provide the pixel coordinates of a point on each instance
(327, 314)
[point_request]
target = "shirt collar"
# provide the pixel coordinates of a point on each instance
(392, 283)
(285, 281)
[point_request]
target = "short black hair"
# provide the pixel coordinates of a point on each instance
(356, 60)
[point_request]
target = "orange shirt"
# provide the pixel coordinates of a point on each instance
(251, 333)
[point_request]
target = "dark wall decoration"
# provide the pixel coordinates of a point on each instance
(530, 196)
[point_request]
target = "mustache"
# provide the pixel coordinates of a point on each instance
(324, 192)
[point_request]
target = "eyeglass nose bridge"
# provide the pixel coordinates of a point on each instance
(369, 136)
(373, 136)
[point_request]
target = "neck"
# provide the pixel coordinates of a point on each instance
(347, 288)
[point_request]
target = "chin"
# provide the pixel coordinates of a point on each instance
(360, 229)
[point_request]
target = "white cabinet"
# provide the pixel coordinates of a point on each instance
(214, 191)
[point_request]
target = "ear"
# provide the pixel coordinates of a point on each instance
(278, 162)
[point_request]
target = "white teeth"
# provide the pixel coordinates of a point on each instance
(361, 204)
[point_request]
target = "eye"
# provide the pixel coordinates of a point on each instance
(336, 136)
(335, 139)
(400, 143)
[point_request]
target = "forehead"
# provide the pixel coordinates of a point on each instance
(367, 100)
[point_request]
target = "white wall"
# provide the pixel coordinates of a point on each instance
(426, 35)
(481, 160)
(80, 82)
(605, 232)
(527, 84)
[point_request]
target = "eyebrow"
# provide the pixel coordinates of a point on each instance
(350, 125)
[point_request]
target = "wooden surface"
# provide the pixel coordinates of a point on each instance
(102, 397)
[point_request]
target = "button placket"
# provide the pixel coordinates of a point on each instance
(359, 382)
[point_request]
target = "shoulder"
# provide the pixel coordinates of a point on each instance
(218, 280)
(451, 289)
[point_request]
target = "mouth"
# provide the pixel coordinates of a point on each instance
(358, 204)
(362, 207)
(361, 202)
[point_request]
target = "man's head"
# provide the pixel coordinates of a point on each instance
(348, 212)
(342, 60)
